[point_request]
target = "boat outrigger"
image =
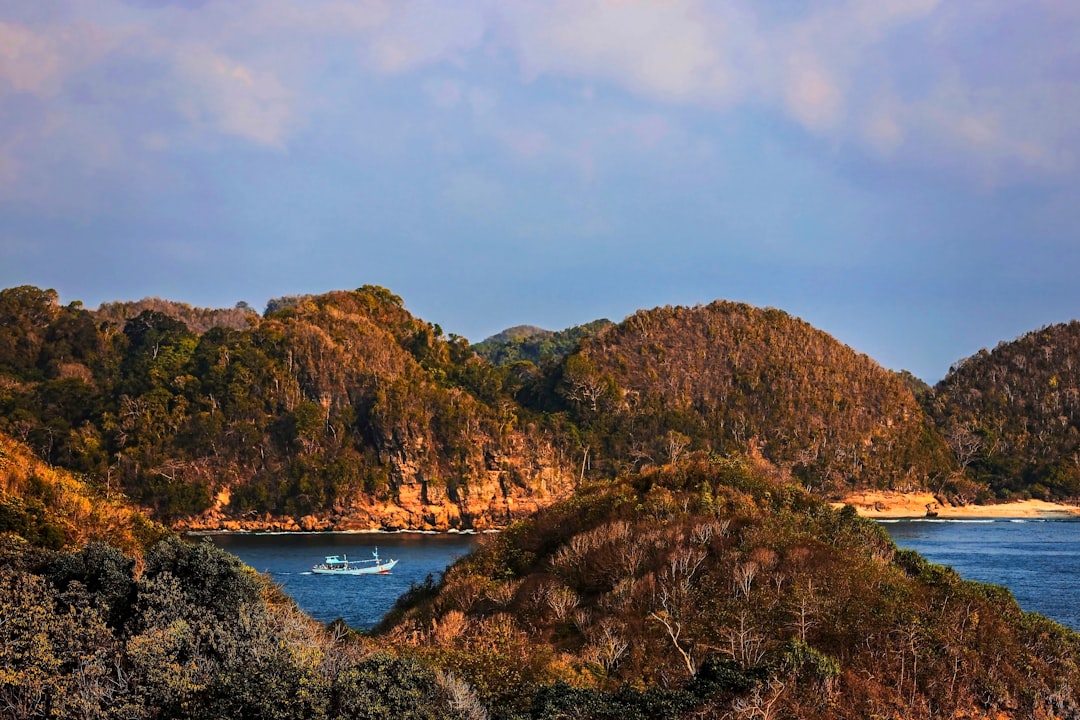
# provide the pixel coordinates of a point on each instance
(342, 565)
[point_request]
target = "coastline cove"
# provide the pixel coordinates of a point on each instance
(1037, 559)
(360, 601)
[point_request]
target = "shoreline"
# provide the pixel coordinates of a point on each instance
(451, 531)
(891, 505)
(871, 504)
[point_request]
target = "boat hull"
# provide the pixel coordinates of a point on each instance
(381, 569)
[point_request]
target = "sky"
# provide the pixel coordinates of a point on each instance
(902, 174)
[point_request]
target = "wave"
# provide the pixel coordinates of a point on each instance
(973, 521)
(954, 521)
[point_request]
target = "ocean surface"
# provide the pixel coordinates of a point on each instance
(1039, 560)
(360, 600)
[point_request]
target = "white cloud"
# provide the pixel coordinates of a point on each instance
(233, 97)
(421, 32)
(812, 94)
(482, 101)
(664, 50)
(443, 93)
(1027, 132)
(648, 131)
(886, 73)
(910, 80)
(526, 143)
(28, 61)
(883, 131)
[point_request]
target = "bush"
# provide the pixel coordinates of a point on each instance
(386, 687)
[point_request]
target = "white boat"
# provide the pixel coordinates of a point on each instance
(342, 565)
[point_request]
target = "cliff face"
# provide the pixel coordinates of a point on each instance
(504, 488)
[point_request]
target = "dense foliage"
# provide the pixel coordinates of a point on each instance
(1012, 415)
(344, 405)
(324, 403)
(194, 635)
(526, 343)
(197, 319)
(55, 509)
(728, 376)
(712, 589)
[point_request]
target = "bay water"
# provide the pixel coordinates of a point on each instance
(1037, 559)
(359, 600)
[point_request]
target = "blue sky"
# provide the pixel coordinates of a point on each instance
(900, 173)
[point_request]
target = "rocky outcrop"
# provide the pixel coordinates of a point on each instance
(490, 500)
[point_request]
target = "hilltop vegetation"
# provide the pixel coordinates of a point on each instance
(1012, 415)
(728, 376)
(341, 407)
(716, 589)
(198, 320)
(528, 343)
(343, 410)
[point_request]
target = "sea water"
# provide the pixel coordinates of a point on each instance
(1037, 559)
(359, 600)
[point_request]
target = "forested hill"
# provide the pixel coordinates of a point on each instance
(668, 560)
(728, 376)
(53, 508)
(1012, 415)
(705, 589)
(342, 410)
(339, 410)
(197, 319)
(536, 345)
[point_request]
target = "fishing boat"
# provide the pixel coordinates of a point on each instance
(342, 565)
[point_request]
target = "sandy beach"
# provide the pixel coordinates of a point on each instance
(888, 504)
